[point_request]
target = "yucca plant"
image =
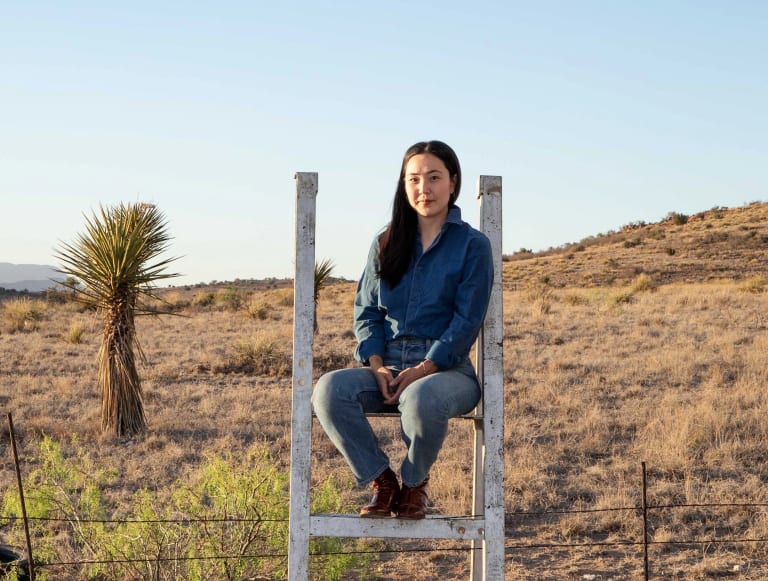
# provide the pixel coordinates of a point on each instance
(323, 272)
(116, 265)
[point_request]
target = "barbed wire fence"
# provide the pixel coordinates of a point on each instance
(511, 547)
(644, 511)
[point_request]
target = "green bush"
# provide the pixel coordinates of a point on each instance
(678, 219)
(227, 520)
(229, 299)
(257, 309)
(205, 299)
(59, 488)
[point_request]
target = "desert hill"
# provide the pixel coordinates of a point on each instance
(716, 244)
(721, 243)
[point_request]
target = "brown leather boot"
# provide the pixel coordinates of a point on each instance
(386, 492)
(413, 501)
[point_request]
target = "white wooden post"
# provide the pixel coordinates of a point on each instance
(488, 490)
(301, 407)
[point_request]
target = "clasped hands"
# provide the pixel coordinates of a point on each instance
(391, 387)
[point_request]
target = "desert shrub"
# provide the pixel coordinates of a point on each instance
(755, 284)
(228, 298)
(258, 355)
(575, 299)
(24, 313)
(718, 212)
(677, 218)
(256, 308)
(205, 299)
(285, 297)
(226, 520)
(175, 301)
(540, 296)
(75, 333)
(642, 283)
(670, 251)
(619, 298)
(632, 243)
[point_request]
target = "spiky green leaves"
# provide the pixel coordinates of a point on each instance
(115, 255)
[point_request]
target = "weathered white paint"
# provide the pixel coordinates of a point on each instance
(488, 493)
(485, 527)
(301, 407)
(432, 527)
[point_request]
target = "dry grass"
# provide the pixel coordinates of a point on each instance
(598, 379)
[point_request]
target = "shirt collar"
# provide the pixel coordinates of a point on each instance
(454, 215)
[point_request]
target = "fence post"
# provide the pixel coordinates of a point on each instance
(488, 495)
(301, 407)
(21, 498)
(645, 522)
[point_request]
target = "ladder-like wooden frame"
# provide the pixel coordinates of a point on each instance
(485, 527)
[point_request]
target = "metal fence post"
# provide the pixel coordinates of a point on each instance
(30, 560)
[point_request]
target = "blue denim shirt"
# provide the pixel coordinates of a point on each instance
(443, 296)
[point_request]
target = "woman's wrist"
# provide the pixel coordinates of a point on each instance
(427, 367)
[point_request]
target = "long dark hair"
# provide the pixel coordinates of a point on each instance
(397, 241)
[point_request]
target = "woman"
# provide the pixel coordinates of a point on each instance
(418, 309)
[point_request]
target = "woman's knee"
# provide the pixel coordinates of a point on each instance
(339, 385)
(441, 396)
(422, 398)
(324, 393)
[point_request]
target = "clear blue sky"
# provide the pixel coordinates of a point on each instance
(595, 113)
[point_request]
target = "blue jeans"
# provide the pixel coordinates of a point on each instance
(342, 398)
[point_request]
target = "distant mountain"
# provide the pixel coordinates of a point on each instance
(30, 277)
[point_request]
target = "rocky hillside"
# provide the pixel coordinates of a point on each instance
(721, 243)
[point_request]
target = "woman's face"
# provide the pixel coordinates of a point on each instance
(428, 185)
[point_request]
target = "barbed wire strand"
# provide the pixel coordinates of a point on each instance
(189, 521)
(507, 547)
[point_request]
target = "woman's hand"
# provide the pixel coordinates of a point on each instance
(406, 377)
(383, 376)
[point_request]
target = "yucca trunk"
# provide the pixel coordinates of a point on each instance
(122, 404)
